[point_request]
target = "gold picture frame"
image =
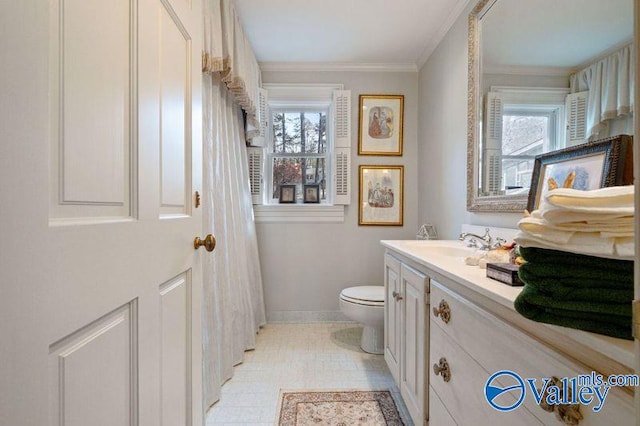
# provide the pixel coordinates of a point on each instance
(380, 125)
(381, 195)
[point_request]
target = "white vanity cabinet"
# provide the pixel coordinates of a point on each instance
(404, 336)
(448, 329)
(477, 344)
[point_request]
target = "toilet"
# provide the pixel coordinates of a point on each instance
(365, 305)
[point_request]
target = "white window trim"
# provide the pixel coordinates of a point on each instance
(305, 96)
(309, 213)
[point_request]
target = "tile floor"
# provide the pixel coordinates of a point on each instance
(299, 356)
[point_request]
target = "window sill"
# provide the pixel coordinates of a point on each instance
(298, 213)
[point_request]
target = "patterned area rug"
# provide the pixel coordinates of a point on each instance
(338, 408)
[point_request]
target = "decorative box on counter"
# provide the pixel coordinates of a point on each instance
(504, 272)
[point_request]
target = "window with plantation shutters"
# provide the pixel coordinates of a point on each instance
(520, 123)
(307, 144)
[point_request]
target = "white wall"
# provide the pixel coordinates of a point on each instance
(305, 266)
(442, 138)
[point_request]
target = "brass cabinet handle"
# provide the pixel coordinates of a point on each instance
(569, 414)
(209, 243)
(442, 368)
(443, 311)
(396, 295)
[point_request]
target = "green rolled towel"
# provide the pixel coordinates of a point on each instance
(611, 319)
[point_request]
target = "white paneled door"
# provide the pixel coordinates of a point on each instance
(100, 159)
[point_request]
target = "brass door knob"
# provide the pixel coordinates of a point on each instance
(396, 296)
(209, 243)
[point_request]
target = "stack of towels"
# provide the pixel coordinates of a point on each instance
(579, 251)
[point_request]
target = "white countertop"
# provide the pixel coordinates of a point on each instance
(446, 257)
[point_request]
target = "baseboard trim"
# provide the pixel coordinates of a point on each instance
(306, 316)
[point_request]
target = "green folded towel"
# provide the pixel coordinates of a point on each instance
(577, 291)
(568, 284)
(611, 319)
(560, 259)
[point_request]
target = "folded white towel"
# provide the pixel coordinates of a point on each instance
(541, 229)
(561, 215)
(583, 243)
(596, 223)
(611, 200)
(583, 222)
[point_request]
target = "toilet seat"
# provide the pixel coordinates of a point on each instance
(367, 295)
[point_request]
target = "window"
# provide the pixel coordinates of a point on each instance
(526, 132)
(520, 124)
(298, 150)
(306, 140)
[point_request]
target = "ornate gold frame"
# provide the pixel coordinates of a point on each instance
(399, 168)
(400, 125)
(502, 203)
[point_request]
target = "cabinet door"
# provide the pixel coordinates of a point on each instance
(414, 334)
(392, 316)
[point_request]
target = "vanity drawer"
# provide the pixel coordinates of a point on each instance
(438, 414)
(496, 345)
(463, 394)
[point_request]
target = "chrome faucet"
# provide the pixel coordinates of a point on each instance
(484, 242)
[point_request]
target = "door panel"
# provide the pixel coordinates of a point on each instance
(94, 372)
(175, 374)
(392, 316)
(91, 105)
(414, 336)
(175, 118)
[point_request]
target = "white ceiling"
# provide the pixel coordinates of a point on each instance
(347, 31)
(403, 33)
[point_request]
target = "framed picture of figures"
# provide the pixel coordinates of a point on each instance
(380, 125)
(592, 165)
(381, 195)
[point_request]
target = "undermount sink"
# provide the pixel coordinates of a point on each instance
(445, 248)
(448, 251)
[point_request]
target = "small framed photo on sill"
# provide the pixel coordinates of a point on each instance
(287, 194)
(311, 194)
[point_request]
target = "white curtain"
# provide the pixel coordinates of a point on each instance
(610, 82)
(234, 301)
(227, 51)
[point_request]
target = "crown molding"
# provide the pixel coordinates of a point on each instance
(336, 66)
(433, 43)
